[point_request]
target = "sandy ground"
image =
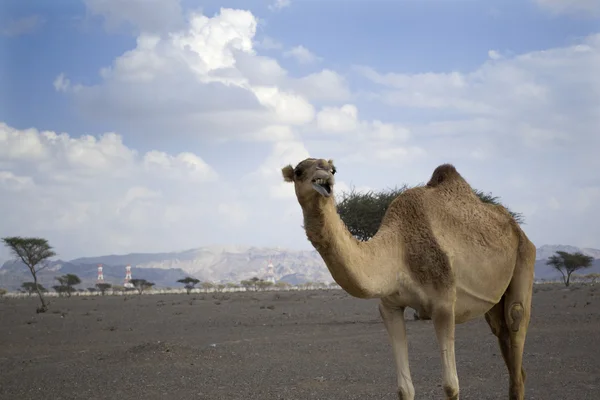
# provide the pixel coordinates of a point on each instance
(286, 345)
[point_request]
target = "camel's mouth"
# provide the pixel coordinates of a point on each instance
(323, 186)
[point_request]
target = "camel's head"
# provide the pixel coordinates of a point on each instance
(311, 177)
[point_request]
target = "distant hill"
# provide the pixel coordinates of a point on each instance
(214, 263)
(13, 274)
(219, 264)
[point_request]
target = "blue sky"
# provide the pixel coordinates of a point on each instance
(503, 89)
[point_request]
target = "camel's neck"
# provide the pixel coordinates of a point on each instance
(363, 269)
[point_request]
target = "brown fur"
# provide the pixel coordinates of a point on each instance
(425, 259)
(443, 174)
(288, 173)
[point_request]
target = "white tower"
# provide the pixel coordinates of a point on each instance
(100, 274)
(127, 283)
(270, 273)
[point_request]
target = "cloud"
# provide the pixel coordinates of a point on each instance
(302, 55)
(324, 86)
(268, 43)
(542, 99)
(203, 79)
(141, 15)
(494, 55)
(524, 127)
(23, 26)
(97, 195)
(61, 84)
(344, 120)
(582, 7)
(280, 4)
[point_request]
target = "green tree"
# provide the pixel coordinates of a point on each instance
(3, 292)
(282, 285)
(363, 212)
(567, 263)
(60, 289)
(263, 285)
(103, 287)
(31, 287)
(119, 288)
(66, 284)
(189, 283)
(141, 285)
(251, 284)
(34, 253)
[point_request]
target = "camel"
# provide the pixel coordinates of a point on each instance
(439, 250)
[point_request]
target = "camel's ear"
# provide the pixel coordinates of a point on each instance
(288, 173)
(333, 169)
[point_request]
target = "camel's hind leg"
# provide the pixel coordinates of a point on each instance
(511, 317)
(497, 322)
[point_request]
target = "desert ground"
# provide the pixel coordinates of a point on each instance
(278, 345)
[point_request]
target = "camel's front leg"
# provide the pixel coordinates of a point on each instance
(443, 322)
(393, 319)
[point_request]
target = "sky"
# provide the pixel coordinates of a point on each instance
(162, 125)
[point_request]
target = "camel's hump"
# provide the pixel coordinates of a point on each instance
(443, 173)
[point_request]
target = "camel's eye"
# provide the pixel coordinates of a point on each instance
(333, 170)
(297, 172)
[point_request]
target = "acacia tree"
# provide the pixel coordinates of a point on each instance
(363, 212)
(141, 284)
(567, 263)
(189, 283)
(34, 253)
(66, 284)
(30, 287)
(119, 288)
(263, 285)
(103, 287)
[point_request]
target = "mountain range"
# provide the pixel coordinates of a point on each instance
(218, 264)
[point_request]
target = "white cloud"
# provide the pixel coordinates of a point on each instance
(337, 120)
(280, 4)
(494, 55)
(302, 55)
(268, 43)
(95, 194)
(61, 84)
(539, 99)
(583, 7)
(326, 85)
(12, 182)
(531, 118)
(344, 119)
(203, 79)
